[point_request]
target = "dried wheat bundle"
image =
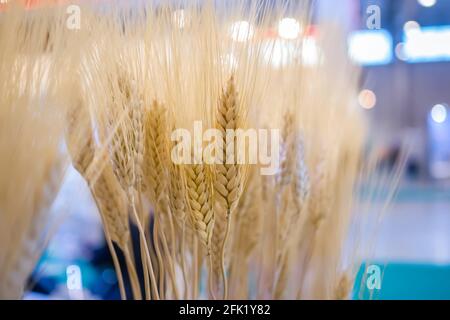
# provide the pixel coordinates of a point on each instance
(31, 130)
(295, 205)
(161, 79)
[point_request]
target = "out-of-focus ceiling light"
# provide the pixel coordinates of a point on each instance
(288, 28)
(367, 99)
(311, 54)
(439, 113)
(242, 31)
(400, 51)
(431, 44)
(371, 47)
(410, 27)
(427, 3)
(283, 53)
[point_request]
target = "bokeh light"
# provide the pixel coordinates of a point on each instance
(439, 113)
(367, 99)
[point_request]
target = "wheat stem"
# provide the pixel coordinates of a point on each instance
(117, 267)
(195, 269)
(147, 253)
(158, 254)
(224, 276)
(134, 280)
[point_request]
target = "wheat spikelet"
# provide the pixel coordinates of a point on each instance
(113, 206)
(320, 199)
(137, 140)
(79, 138)
(128, 137)
(198, 198)
(287, 171)
(122, 160)
(177, 193)
(301, 183)
(156, 156)
(229, 176)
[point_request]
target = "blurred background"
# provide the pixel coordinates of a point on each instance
(403, 47)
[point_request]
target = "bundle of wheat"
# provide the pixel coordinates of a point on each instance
(31, 129)
(154, 128)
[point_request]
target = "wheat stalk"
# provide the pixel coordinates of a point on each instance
(249, 228)
(177, 200)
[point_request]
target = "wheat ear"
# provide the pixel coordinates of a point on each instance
(293, 187)
(137, 148)
(157, 183)
(106, 191)
(178, 208)
(229, 176)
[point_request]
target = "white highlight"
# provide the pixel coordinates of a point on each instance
(282, 53)
(179, 18)
(430, 44)
(288, 28)
(367, 99)
(427, 3)
(74, 282)
(439, 113)
(411, 27)
(242, 31)
(371, 47)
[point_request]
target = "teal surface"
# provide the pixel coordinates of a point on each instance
(405, 282)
